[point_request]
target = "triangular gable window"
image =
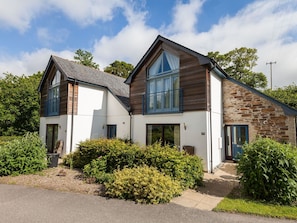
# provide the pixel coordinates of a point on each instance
(166, 62)
(57, 78)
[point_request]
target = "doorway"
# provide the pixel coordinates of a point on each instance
(51, 137)
(236, 137)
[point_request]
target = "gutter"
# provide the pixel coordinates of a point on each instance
(72, 116)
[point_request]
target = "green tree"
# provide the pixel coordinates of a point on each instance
(119, 68)
(85, 58)
(239, 63)
(287, 95)
(19, 104)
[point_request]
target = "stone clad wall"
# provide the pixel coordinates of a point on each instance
(264, 118)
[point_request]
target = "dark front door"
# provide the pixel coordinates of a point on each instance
(51, 137)
(236, 136)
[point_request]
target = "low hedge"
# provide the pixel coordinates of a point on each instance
(92, 149)
(143, 185)
(188, 170)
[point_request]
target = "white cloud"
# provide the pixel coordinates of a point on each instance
(18, 14)
(29, 63)
(86, 12)
(185, 17)
(268, 26)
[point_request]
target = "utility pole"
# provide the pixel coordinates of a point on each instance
(270, 63)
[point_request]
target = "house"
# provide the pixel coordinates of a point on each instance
(79, 103)
(185, 99)
(174, 95)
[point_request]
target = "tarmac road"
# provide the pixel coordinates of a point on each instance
(19, 204)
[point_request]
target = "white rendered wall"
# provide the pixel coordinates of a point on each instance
(119, 116)
(62, 128)
(218, 152)
(193, 130)
(90, 120)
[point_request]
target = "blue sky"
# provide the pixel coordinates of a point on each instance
(124, 29)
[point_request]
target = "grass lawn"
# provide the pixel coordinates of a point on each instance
(236, 203)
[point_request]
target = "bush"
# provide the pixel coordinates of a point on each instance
(269, 171)
(92, 149)
(23, 156)
(143, 185)
(180, 166)
(6, 139)
(97, 170)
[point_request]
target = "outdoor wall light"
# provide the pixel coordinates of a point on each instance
(185, 127)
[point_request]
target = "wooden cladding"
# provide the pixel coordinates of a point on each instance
(194, 82)
(70, 97)
(65, 91)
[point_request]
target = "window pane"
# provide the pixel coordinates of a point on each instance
(175, 92)
(154, 134)
(167, 93)
(151, 94)
(159, 94)
(167, 134)
(166, 66)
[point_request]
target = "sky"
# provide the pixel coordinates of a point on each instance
(32, 30)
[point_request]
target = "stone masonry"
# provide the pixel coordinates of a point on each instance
(263, 117)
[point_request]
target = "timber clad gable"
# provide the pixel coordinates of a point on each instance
(193, 79)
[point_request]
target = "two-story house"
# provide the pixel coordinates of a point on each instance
(174, 95)
(185, 99)
(79, 103)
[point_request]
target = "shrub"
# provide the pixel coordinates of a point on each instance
(92, 149)
(5, 139)
(143, 185)
(97, 170)
(269, 171)
(23, 156)
(180, 166)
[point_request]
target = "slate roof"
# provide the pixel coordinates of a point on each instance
(74, 71)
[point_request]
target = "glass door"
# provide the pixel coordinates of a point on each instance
(51, 137)
(236, 136)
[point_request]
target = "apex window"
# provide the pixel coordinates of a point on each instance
(163, 92)
(53, 102)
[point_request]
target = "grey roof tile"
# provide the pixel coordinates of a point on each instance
(75, 71)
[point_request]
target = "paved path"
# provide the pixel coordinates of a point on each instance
(216, 187)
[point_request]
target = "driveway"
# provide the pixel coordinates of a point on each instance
(23, 204)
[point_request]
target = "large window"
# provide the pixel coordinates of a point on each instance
(53, 102)
(163, 92)
(165, 133)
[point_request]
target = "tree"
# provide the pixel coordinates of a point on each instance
(119, 68)
(19, 104)
(287, 95)
(238, 64)
(85, 58)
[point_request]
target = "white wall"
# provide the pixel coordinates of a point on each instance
(96, 108)
(218, 152)
(193, 129)
(90, 120)
(119, 116)
(62, 130)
